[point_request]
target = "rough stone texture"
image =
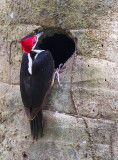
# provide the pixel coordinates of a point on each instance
(80, 121)
(72, 14)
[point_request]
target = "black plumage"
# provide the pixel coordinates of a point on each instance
(35, 87)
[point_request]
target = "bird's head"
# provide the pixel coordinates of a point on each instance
(29, 42)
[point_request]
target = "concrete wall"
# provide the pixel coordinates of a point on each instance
(80, 122)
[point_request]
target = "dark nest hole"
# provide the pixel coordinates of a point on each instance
(59, 43)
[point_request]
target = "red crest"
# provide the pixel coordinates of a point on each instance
(27, 43)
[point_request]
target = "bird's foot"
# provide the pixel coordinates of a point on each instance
(56, 75)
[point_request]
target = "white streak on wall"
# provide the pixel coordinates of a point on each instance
(12, 15)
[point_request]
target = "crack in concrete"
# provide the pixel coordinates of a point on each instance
(113, 131)
(76, 109)
(10, 48)
(91, 142)
(11, 84)
(79, 116)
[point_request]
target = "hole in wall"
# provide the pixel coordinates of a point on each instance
(59, 42)
(24, 155)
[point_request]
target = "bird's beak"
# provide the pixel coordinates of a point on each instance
(39, 35)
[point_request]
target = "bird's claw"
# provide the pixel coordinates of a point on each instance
(56, 75)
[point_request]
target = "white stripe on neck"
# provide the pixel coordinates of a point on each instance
(29, 64)
(37, 51)
(30, 59)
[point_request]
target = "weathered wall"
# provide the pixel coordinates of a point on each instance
(80, 120)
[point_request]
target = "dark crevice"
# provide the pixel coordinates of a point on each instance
(61, 45)
(24, 155)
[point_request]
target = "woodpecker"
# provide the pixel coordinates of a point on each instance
(36, 77)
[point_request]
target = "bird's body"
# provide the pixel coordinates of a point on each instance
(36, 77)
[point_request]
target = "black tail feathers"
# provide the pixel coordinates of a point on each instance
(36, 126)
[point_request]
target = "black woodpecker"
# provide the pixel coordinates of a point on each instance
(36, 78)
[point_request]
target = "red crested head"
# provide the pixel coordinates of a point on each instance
(28, 42)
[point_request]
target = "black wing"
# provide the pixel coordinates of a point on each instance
(34, 88)
(25, 82)
(42, 74)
